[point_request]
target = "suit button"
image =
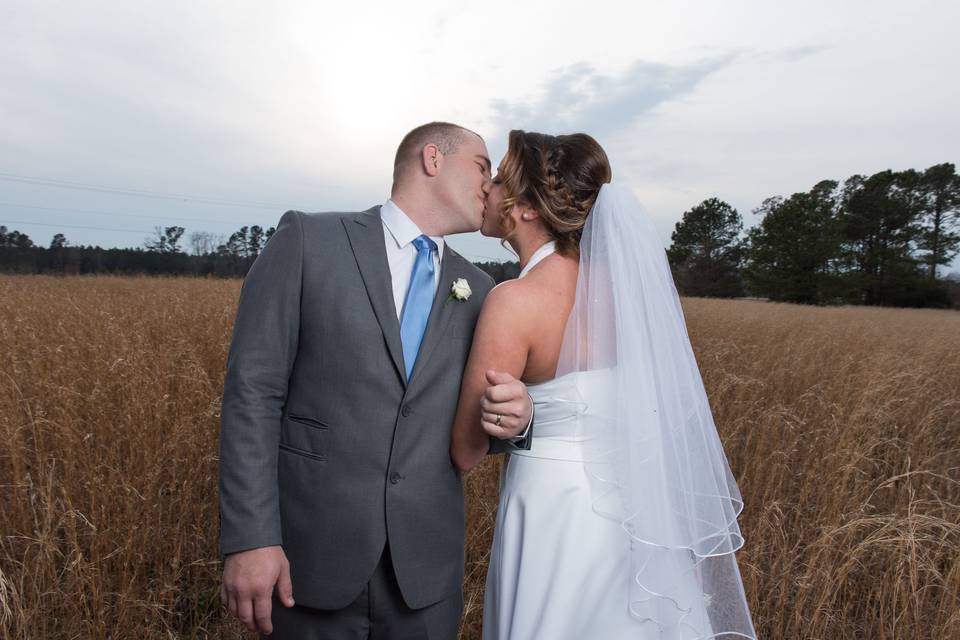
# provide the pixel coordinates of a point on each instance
(406, 411)
(395, 478)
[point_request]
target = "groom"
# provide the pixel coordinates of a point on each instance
(336, 485)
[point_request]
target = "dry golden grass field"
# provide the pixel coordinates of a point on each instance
(842, 426)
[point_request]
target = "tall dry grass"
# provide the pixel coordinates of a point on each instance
(842, 426)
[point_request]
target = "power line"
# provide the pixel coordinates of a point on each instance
(141, 193)
(111, 213)
(72, 226)
(488, 258)
(75, 226)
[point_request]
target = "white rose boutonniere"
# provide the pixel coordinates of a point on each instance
(460, 290)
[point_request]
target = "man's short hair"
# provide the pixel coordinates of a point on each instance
(447, 136)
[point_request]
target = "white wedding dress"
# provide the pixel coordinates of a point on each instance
(542, 580)
(620, 521)
(557, 568)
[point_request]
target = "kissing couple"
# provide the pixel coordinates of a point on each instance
(371, 365)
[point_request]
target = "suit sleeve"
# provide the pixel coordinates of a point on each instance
(262, 353)
(502, 446)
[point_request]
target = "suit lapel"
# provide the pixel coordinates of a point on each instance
(366, 240)
(442, 310)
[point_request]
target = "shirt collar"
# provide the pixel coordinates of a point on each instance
(402, 228)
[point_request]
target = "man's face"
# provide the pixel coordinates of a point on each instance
(466, 183)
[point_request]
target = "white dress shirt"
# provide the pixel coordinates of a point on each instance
(399, 231)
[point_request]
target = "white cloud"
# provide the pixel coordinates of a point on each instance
(578, 98)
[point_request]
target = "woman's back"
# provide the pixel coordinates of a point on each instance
(541, 301)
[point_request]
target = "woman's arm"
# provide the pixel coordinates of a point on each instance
(499, 343)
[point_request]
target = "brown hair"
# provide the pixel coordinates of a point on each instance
(447, 136)
(559, 177)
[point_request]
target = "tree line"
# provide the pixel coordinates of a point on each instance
(884, 239)
(164, 253)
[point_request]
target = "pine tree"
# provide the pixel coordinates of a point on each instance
(939, 201)
(705, 252)
(880, 223)
(791, 254)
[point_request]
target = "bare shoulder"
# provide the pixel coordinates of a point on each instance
(502, 336)
(508, 297)
(507, 313)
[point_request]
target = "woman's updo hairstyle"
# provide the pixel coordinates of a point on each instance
(559, 177)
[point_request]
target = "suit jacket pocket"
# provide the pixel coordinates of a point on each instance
(305, 436)
(302, 452)
(310, 422)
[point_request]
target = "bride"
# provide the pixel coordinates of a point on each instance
(620, 519)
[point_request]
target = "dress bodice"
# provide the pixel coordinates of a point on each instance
(565, 409)
(557, 403)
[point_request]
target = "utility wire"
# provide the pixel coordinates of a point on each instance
(111, 213)
(72, 226)
(142, 193)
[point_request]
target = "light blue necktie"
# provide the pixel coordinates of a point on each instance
(419, 301)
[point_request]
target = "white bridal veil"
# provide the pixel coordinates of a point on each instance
(655, 460)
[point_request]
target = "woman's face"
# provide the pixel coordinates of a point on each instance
(491, 226)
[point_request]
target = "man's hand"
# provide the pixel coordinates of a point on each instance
(507, 398)
(248, 581)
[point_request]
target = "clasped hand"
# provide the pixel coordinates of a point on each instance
(505, 407)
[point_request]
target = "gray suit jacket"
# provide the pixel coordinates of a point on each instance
(325, 446)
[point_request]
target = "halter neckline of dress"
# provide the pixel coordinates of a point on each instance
(538, 255)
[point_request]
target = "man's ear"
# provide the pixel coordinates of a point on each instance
(431, 159)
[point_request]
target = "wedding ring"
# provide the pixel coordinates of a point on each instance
(499, 417)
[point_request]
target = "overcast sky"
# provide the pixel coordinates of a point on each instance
(216, 115)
